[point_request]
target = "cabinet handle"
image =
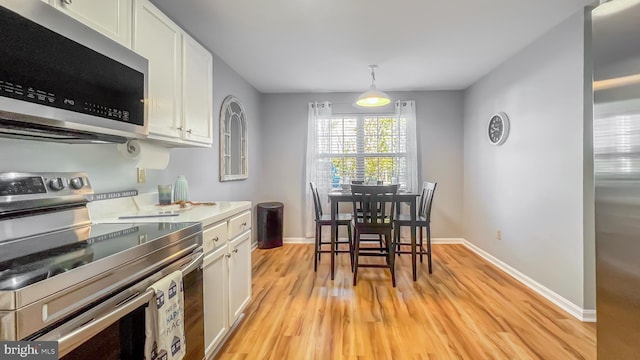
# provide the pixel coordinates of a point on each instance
(215, 238)
(244, 223)
(235, 250)
(190, 131)
(68, 2)
(228, 255)
(180, 128)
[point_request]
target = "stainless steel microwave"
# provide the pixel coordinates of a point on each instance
(62, 81)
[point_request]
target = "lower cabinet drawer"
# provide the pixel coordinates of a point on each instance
(214, 237)
(239, 224)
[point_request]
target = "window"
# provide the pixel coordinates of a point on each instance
(361, 147)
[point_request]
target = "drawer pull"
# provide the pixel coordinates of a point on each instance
(228, 255)
(244, 223)
(235, 250)
(216, 238)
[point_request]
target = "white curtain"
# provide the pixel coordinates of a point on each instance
(406, 109)
(317, 112)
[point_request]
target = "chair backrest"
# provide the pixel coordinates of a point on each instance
(429, 192)
(421, 201)
(317, 206)
(376, 203)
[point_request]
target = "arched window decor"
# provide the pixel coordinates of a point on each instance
(234, 153)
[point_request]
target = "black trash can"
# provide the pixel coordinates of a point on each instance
(270, 225)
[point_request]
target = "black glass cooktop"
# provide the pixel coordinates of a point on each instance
(26, 261)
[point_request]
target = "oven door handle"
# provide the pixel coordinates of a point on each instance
(80, 335)
(196, 263)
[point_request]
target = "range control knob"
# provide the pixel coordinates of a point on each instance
(76, 183)
(56, 184)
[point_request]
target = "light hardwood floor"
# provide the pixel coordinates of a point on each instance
(466, 309)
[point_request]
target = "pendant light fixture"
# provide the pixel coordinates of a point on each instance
(373, 97)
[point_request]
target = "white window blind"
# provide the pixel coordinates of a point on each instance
(361, 147)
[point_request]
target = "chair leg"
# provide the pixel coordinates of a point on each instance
(350, 245)
(396, 236)
(429, 246)
(316, 246)
(319, 242)
(356, 244)
(420, 247)
(380, 241)
(392, 260)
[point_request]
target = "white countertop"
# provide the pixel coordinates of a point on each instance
(110, 211)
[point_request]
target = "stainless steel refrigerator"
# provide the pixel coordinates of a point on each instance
(615, 52)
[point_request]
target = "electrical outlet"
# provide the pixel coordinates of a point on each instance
(499, 235)
(142, 175)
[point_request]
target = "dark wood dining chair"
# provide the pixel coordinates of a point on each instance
(342, 219)
(423, 221)
(378, 221)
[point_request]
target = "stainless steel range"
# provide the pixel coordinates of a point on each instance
(63, 278)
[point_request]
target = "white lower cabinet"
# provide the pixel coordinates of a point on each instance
(239, 275)
(216, 289)
(227, 276)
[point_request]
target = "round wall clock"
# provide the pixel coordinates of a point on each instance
(498, 128)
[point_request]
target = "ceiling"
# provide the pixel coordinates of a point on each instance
(327, 45)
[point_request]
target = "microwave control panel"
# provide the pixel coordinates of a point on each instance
(29, 94)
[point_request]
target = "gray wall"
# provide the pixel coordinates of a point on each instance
(440, 128)
(202, 166)
(531, 188)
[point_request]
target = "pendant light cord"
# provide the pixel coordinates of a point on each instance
(373, 75)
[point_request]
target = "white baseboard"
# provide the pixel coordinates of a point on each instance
(447, 241)
(301, 240)
(589, 316)
(586, 315)
(297, 240)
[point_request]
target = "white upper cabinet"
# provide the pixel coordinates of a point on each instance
(180, 79)
(197, 76)
(159, 39)
(111, 18)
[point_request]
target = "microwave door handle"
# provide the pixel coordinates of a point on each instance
(196, 263)
(77, 337)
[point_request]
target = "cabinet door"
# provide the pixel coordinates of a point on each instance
(111, 18)
(239, 275)
(158, 39)
(197, 77)
(216, 283)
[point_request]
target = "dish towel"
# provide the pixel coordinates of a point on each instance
(164, 320)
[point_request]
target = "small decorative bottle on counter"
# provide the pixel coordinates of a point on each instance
(181, 189)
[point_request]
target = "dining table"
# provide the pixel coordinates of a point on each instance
(341, 195)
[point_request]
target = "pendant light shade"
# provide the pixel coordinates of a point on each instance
(373, 97)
